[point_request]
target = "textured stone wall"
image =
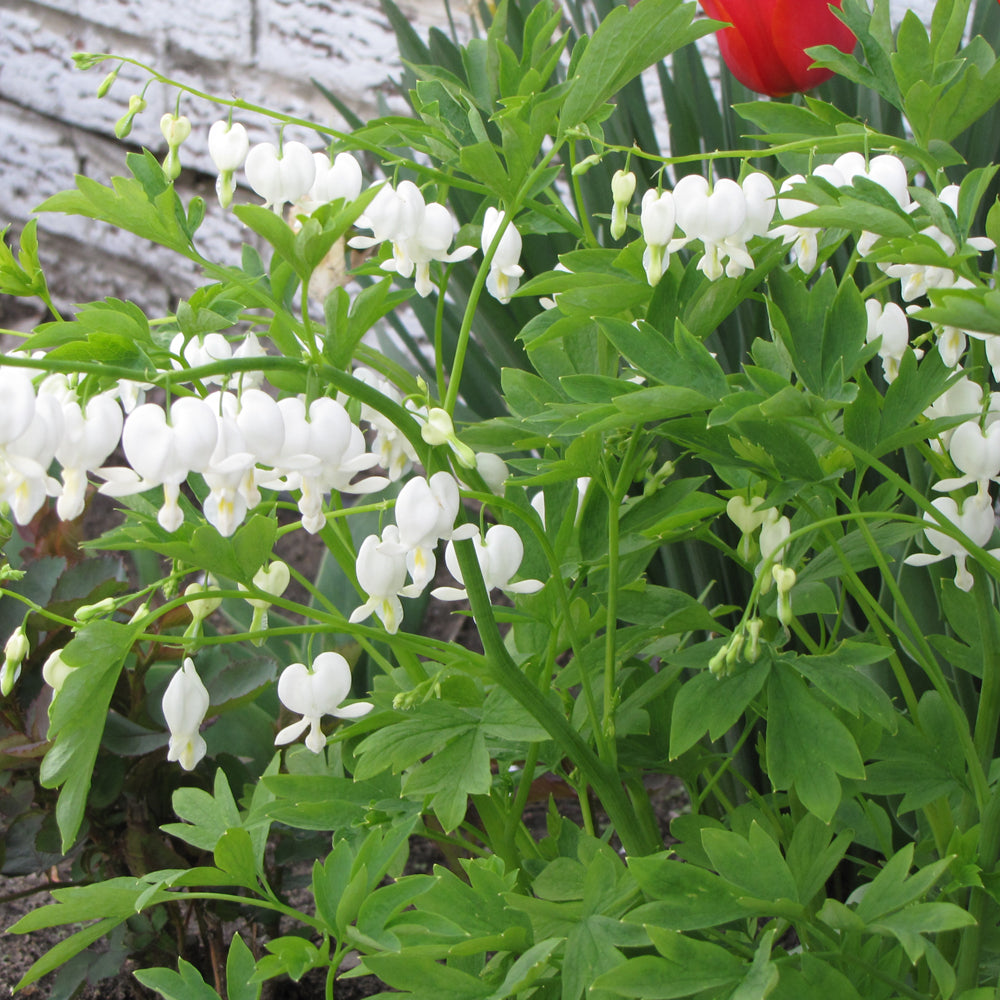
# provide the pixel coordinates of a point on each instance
(52, 126)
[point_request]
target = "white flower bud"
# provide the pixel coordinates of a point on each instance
(622, 189)
(15, 650)
(185, 703)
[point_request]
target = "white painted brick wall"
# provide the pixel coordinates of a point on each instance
(264, 51)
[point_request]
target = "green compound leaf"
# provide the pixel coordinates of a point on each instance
(807, 746)
(625, 43)
(98, 653)
(185, 984)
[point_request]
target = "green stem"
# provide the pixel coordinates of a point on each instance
(509, 676)
(581, 208)
(988, 715)
(465, 331)
(521, 799)
(611, 634)
(353, 139)
(261, 904)
(562, 598)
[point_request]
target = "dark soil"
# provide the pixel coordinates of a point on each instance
(20, 895)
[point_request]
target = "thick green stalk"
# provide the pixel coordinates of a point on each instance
(605, 780)
(987, 720)
(988, 715)
(969, 954)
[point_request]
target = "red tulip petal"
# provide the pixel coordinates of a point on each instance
(801, 24)
(748, 47)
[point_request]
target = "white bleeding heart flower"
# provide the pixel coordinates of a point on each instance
(185, 704)
(315, 693)
(15, 650)
(774, 533)
(499, 555)
(381, 571)
(18, 394)
(425, 514)
(505, 271)
(201, 351)
(393, 449)
(963, 397)
(725, 217)
(228, 145)
(431, 242)
(493, 470)
(272, 580)
(747, 516)
(657, 217)
(280, 177)
(419, 233)
(976, 454)
(90, 434)
(340, 179)
(163, 452)
(803, 239)
(622, 189)
(175, 129)
(974, 517)
(24, 462)
(319, 454)
(229, 474)
(200, 607)
(889, 323)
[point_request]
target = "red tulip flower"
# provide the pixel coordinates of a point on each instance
(765, 47)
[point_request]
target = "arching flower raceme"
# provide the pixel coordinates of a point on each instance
(315, 693)
(185, 703)
(765, 47)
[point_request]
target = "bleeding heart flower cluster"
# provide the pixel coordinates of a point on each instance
(240, 444)
(723, 217)
(426, 511)
(47, 425)
(417, 232)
